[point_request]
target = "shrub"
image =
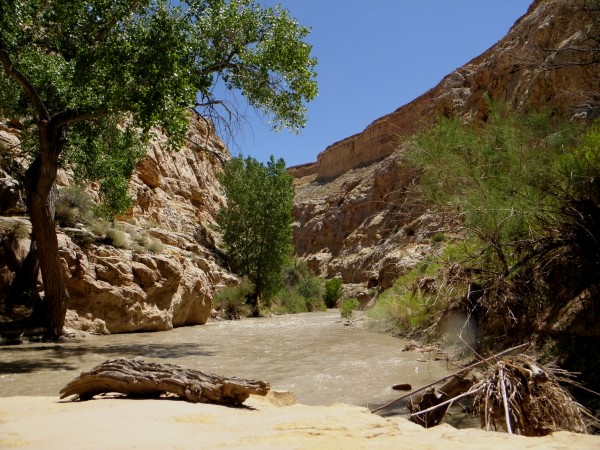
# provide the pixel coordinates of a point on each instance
(155, 246)
(119, 239)
(13, 229)
(294, 273)
(232, 300)
(310, 287)
(333, 292)
(74, 205)
(416, 299)
(347, 307)
(315, 304)
(438, 237)
(100, 227)
(289, 302)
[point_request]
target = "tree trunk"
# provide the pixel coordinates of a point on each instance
(41, 213)
(255, 304)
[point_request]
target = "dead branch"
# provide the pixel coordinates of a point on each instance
(452, 375)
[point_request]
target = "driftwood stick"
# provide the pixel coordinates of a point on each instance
(504, 401)
(458, 372)
(137, 378)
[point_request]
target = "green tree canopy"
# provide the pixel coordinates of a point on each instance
(256, 223)
(101, 74)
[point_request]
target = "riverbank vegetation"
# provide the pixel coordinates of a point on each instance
(299, 290)
(526, 264)
(256, 223)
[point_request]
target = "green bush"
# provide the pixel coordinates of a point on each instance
(415, 300)
(347, 307)
(333, 292)
(310, 287)
(294, 273)
(289, 302)
(438, 237)
(302, 291)
(232, 300)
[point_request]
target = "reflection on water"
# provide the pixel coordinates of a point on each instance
(312, 354)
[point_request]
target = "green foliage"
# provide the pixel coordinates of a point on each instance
(529, 197)
(310, 287)
(492, 173)
(232, 299)
(333, 292)
(256, 223)
(154, 59)
(438, 237)
(302, 291)
(314, 304)
(413, 301)
(105, 73)
(289, 301)
(107, 152)
(347, 307)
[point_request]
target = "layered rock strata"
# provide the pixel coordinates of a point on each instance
(164, 271)
(546, 61)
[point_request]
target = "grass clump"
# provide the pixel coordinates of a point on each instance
(417, 299)
(118, 238)
(13, 230)
(74, 205)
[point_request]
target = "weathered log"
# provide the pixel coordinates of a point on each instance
(134, 377)
(439, 397)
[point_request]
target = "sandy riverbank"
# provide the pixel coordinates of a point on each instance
(46, 423)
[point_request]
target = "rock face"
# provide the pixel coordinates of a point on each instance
(366, 226)
(164, 273)
(357, 215)
(543, 62)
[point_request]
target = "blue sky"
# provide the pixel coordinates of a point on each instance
(375, 56)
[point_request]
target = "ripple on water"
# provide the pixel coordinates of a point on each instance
(313, 354)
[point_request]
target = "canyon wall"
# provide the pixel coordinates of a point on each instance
(544, 62)
(357, 214)
(163, 270)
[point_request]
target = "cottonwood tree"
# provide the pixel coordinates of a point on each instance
(257, 222)
(107, 72)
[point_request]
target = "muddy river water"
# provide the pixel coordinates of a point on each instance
(314, 355)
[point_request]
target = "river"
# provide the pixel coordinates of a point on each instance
(314, 355)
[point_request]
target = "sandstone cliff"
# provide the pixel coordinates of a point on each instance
(356, 215)
(542, 62)
(137, 286)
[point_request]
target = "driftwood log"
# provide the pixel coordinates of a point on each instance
(137, 378)
(438, 398)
